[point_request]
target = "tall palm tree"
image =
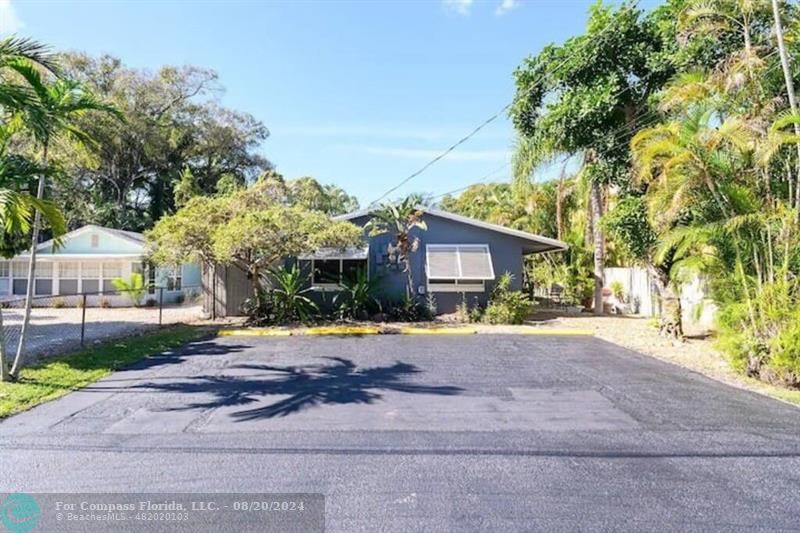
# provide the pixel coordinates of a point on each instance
(52, 116)
(399, 219)
(787, 76)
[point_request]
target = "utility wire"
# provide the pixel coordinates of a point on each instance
(471, 134)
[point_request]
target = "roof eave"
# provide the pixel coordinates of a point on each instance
(547, 244)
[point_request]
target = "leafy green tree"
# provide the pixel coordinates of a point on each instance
(174, 122)
(186, 188)
(254, 229)
(400, 219)
(330, 199)
(584, 98)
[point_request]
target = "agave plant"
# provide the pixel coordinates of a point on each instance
(356, 298)
(289, 296)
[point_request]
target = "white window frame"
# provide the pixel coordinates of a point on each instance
(175, 273)
(460, 284)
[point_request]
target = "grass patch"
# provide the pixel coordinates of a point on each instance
(54, 378)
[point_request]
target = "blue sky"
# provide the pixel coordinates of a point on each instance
(359, 93)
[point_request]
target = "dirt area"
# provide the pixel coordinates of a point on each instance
(55, 331)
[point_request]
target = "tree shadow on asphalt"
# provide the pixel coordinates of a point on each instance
(335, 383)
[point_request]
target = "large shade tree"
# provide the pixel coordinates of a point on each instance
(585, 98)
(175, 127)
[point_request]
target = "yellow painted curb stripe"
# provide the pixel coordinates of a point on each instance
(438, 331)
(555, 331)
(366, 330)
(254, 332)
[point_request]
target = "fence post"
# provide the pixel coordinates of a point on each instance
(83, 319)
(160, 304)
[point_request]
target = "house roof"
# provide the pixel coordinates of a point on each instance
(543, 244)
(131, 236)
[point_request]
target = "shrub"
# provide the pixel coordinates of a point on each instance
(259, 309)
(408, 309)
(462, 310)
(289, 296)
(618, 290)
(785, 349)
(105, 302)
(151, 302)
(179, 298)
(764, 341)
(59, 303)
(507, 306)
(466, 313)
(356, 298)
(133, 287)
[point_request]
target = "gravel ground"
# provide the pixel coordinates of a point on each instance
(56, 331)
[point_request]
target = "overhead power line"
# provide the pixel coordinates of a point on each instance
(471, 134)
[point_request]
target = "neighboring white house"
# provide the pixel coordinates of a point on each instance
(88, 261)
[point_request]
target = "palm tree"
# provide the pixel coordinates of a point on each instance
(681, 162)
(15, 96)
(787, 76)
(399, 219)
(50, 118)
(16, 216)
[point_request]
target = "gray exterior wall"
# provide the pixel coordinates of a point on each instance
(225, 288)
(506, 251)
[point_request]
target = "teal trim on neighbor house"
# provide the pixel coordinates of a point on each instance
(88, 260)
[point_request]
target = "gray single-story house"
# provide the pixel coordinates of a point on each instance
(458, 258)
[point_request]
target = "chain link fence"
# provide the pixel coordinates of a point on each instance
(62, 323)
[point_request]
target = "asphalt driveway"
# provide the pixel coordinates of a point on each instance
(427, 433)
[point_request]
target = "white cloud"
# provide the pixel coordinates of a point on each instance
(427, 133)
(415, 153)
(9, 21)
(462, 7)
(506, 6)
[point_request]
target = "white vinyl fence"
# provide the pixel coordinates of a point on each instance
(641, 296)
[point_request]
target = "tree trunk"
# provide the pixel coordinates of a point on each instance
(559, 208)
(37, 218)
(787, 76)
(599, 246)
(671, 324)
(3, 359)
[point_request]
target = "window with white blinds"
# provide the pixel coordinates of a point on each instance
(20, 269)
(68, 270)
(90, 270)
(458, 267)
(44, 270)
(462, 261)
(112, 270)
